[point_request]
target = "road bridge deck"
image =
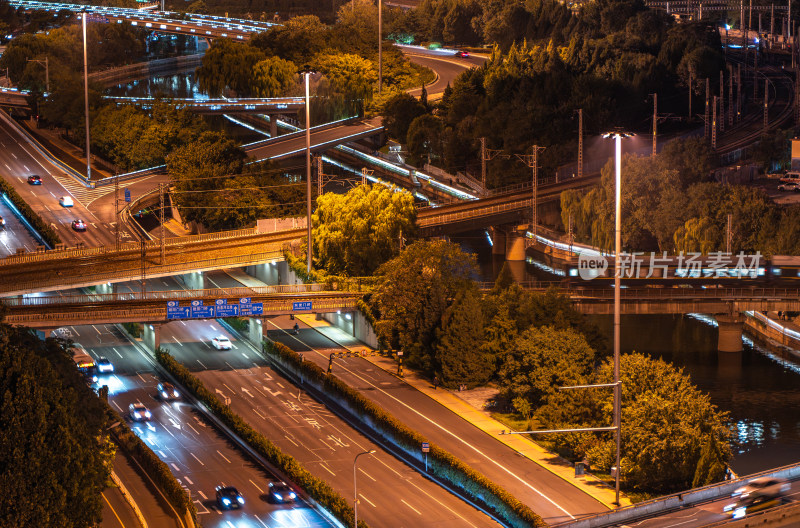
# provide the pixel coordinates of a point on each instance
(151, 307)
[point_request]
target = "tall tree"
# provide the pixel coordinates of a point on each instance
(460, 356)
(357, 232)
(52, 463)
(415, 289)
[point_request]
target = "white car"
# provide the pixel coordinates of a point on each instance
(788, 186)
(139, 412)
(221, 343)
(104, 366)
(65, 201)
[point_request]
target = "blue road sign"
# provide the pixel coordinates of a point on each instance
(175, 311)
(301, 306)
(251, 309)
(199, 311)
(226, 310)
(127, 194)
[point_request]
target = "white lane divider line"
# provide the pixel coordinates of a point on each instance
(223, 456)
(193, 456)
(404, 502)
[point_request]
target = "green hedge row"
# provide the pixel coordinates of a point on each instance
(336, 282)
(316, 488)
(43, 228)
(441, 463)
(154, 466)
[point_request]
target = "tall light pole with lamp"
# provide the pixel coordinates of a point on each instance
(355, 487)
(618, 137)
(380, 45)
(86, 98)
(308, 169)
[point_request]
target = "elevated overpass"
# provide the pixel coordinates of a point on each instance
(275, 105)
(153, 307)
(13, 97)
(80, 267)
(205, 26)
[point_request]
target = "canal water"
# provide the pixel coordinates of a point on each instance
(759, 390)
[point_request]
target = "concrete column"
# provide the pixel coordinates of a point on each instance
(256, 331)
(194, 280)
(730, 332)
(515, 246)
(104, 288)
(151, 336)
(498, 242)
(273, 126)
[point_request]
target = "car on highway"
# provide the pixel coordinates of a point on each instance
(79, 225)
(2, 223)
(104, 366)
(35, 179)
(167, 391)
(789, 186)
(65, 201)
(221, 343)
(229, 497)
(462, 54)
(281, 492)
(139, 412)
(758, 494)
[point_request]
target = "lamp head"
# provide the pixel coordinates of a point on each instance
(617, 133)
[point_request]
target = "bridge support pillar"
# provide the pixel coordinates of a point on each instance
(151, 336)
(105, 288)
(498, 242)
(273, 126)
(355, 324)
(256, 330)
(515, 246)
(730, 332)
(194, 280)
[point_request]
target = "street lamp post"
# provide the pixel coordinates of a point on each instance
(355, 487)
(308, 171)
(618, 136)
(86, 98)
(380, 45)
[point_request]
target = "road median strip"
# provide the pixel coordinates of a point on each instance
(319, 490)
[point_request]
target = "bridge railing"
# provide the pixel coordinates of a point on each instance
(152, 270)
(660, 294)
(473, 213)
(172, 295)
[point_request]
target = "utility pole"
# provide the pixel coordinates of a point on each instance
(319, 175)
(308, 172)
(722, 100)
(707, 134)
(143, 253)
(730, 96)
(161, 187)
(364, 173)
(580, 142)
(797, 95)
(691, 91)
(739, 102)
(46, 64)
(729, 234)
(116, 210)
(714, 126)
(532, 161)
(766, 105)
(486, 155)
(655, 122)
(570, 235)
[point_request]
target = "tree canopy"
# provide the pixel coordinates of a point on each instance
(356, 232)
(53, 464)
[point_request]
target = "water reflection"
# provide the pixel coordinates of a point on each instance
(759, 388)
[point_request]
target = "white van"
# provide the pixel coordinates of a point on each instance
(791, 177)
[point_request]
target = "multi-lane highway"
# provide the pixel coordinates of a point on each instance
(299, 425)
(13, 234)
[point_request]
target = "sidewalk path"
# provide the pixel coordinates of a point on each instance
(479, 418)
(156, 515)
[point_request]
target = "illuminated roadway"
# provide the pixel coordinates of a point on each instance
(296, 422)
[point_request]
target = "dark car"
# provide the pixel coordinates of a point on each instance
(281, 492)
(35, 179)
(2, 223)
(462, 54)
(79, 225)
(229, 497)
(167, 391)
